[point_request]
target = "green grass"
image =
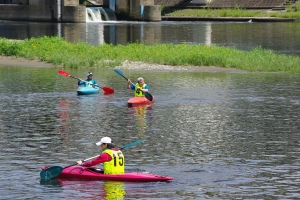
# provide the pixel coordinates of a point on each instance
(290, 12)
(60, 52)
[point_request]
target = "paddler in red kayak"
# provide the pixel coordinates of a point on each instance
(111, 157)
(138, 87)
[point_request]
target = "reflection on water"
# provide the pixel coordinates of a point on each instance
(108, 190)
(219, 135)
(63, 113)
(139, 115)
(281, 37)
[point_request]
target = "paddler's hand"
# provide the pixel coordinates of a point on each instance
(80, 162)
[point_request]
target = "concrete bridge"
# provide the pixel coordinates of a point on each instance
(71, 11)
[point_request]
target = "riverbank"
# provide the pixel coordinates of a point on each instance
(126, 65)
(18, 61)
(82, 55)
(287, 14)
(233, 19)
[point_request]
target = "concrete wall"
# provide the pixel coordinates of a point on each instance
(71, 11)
(44, 10)
(70, 2)
(42, 2)
(139, 10)
(135, 9)
(122, 9)
(14, 12)
(41, 13)
(21, 2)
(74, 14)
(105, 3)
(147, 2)
(152, 13)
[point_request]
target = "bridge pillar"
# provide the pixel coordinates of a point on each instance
(56, 10)
(143, 10)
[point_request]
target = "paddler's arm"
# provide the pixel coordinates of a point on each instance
(104, 157)
(146, 89)
(96, 84)
(130, 85)
(81, 82)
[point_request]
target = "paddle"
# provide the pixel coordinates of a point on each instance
(106, 90)
(147, 94)
(54, 171)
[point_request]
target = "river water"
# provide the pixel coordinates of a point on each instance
(232, 135)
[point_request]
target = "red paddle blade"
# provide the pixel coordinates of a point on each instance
(107, 90)
(63, 73)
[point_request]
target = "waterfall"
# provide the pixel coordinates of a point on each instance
(99, 14)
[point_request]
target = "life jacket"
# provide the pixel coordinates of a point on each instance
(89, 83)
(139, 93)
(116, 165)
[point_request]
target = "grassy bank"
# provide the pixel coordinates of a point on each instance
(290, 12)
(57, 51)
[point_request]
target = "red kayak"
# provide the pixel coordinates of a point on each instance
(90, 173)
(139, 100)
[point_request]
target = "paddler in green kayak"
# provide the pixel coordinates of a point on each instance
(139, 88)
(111, 157)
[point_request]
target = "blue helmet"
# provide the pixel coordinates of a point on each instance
(89, 73)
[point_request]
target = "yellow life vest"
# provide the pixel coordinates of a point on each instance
(116, 165)
(139, 93)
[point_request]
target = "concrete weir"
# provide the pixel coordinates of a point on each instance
(71, 11)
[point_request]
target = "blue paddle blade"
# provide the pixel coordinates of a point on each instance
(148, 96)
(51, 172)
(119, 72)
(132, 144)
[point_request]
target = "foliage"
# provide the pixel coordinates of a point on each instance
(84, 2)
(60, 52)
(291, 12)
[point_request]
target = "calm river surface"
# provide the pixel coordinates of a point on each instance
(220, 135)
